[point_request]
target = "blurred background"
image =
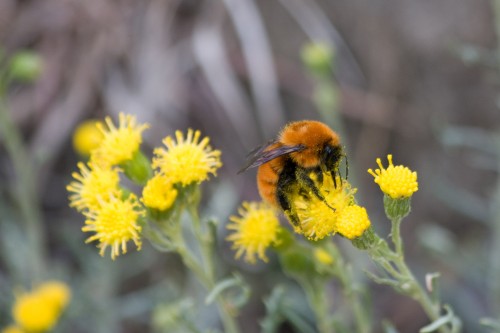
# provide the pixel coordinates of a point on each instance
(418, 79)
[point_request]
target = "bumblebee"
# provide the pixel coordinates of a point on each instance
(285, 165)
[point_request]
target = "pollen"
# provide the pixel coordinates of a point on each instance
(159, 193)
(119, 143)
(255, 230)
(187, 160)
(395, 181)
(352, 221)
(115, 223)
(92, 184)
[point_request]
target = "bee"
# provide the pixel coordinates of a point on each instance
(286, 164)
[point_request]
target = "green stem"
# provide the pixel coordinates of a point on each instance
(396, 237)
(408, 283)
(318, 300)
(207, 269)
(25, 189)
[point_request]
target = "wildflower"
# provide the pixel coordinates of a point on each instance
(159, 193)
(87, 137)
(352, 221)
(55, 292)
(318, 218)
(92, 184)
(115, 222)
(395, 181)
(323, 256)
(119, 143)
(39, 310)
(255, 230)
(188, 160)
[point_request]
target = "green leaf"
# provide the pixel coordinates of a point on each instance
(223, 286)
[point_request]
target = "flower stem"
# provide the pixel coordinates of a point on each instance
(402, 278)
(207, 269)
(25, 189)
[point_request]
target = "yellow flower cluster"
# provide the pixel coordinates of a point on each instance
(113, 214)
(321, 218)
(40, 309)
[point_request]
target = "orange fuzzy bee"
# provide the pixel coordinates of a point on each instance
(285, 164)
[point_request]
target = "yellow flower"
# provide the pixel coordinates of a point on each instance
(54, 292)
(119, 143)
(317, 219)
(255, 230)
(92, 184)
(39, 310)
(115, 223)
(188, 160)
(159, 193)
(395, 181)
(87, 137)
(352, 221)
(12, 329)
(323, 256)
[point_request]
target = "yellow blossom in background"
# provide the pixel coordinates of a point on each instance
(87, 137)
(115, 223)
(119, 143)
(352, 221)
(395, 181)
(12, 329)
(323, 256)
(39, 310)
(254, 230)
(159, 193)
(92, 184)
(187, 160)
(54, 292)
(317, 219)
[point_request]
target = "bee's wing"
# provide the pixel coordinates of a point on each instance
(262, 155)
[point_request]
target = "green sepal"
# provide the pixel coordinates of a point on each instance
(138, 169)
(396, 209)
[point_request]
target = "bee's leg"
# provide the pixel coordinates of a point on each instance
(286, 205)
(304, 179)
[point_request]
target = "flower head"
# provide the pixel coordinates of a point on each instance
(395, 181)
(318, 218)
(92, 184)
(39, 310)
(159, 193)
(188, 160)
(255, 230)
(352, 221)
(115, 222)
(87, 137)
(55, 292)
(119, 143)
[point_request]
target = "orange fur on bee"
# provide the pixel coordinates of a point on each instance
(314, 135)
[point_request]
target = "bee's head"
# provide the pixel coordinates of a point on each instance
(330, 157)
